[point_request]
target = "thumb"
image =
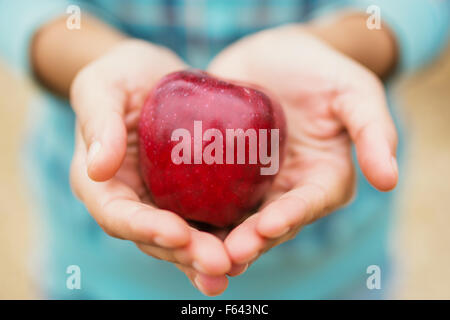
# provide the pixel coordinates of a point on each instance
(368, 121)
(99, 111)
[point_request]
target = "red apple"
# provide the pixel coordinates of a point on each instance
(209, 149)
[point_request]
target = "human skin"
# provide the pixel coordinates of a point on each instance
(107, 87)
(332, 102)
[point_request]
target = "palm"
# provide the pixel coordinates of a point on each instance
(128, 172)
(318, 147)
(316, 142)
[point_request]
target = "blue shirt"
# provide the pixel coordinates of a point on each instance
(328, 259)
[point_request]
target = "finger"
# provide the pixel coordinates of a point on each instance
(117, 209)
(208, 285)
(132, 220)
(365, 115)
(99, 109)
(238, 269)
(325, 187)
(205, 253)
(158, 252)
(244, 243)
(209, 255)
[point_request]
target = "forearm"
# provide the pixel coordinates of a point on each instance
(57, 53)
(376, 49)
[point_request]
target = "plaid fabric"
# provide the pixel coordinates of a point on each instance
(198, 29)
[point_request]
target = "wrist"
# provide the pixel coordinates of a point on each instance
(375, 49)
(57, 53)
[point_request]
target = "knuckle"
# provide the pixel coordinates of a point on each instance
(107, 226)
(135, 224)
(154, 252)
(109, 231)
(103, 217)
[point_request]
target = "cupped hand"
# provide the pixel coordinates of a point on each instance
(330, 102)
(107, 96)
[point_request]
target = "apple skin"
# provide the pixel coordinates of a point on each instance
(216, 194)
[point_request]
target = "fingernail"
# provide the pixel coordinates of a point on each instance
(198, 267)
(242, 271)
(198, 284)
(394, 165)
(93, 151)
(194, 284)
(253, 257)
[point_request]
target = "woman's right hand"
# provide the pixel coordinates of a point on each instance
(107, 96)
